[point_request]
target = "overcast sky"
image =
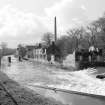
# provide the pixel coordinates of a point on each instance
(27, 20)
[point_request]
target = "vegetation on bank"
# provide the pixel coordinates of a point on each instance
(92, 34)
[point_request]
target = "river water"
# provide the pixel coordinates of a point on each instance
(71, 99)
(31, 74)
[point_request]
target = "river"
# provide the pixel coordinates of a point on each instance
(32, 74)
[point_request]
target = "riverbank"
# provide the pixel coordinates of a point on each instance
(23, 96)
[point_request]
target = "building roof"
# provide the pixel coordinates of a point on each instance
(31, 47)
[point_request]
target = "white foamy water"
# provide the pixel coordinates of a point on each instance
(82, 81)
(70, 60)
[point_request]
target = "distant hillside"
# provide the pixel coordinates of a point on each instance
(8, 51)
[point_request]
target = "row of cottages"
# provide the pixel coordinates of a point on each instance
(37, 52)
(41, 52)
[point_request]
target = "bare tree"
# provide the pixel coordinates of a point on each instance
(22, 50)
(100, 25)
(48, 38)
(76, 34)
(2, 50)
(93, 30)
(3, 45)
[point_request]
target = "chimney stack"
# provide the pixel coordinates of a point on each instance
(55, 28)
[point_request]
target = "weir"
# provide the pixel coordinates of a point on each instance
(69, 97)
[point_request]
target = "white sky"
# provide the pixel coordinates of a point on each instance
(27, 20)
